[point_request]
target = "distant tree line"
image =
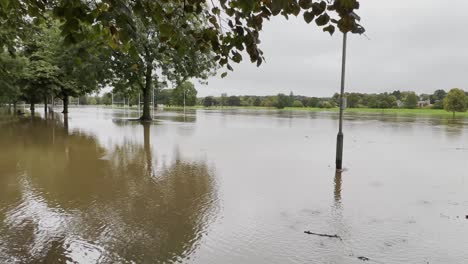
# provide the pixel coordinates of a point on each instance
(395, 99)
(454, 101)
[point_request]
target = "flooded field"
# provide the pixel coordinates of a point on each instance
(232, 187)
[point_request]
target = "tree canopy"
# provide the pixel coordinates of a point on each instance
(455, 101)
(76, 47)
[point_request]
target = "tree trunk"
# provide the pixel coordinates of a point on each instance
(45, 105)
(65, 104)
(65, 122)
(147, 92)
(31, 107)
(453, 115)
(14, 107)
(147, 148)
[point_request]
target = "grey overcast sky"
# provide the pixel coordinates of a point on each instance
(419, 45)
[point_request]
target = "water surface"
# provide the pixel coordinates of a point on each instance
(231, 187)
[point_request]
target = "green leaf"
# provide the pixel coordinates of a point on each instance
(224, 74)
(305, 4)
(166, 30)
(277, 6)
(308, 17)
(237, 57)
(330, 29)
(215, 11)
(319, 8)
(322, 20)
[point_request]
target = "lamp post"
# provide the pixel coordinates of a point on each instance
(184, 101)
(339, 138)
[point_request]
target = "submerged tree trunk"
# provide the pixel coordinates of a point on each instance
(65, 123)
(31, 107)
(65, 104)
(14, 107)
(147, 148)
(45, 104)
(147, 92)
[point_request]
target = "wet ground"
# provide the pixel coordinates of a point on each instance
(232, 187)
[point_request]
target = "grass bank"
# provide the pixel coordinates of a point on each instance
(393, 111)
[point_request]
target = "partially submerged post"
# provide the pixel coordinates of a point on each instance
(339, 138)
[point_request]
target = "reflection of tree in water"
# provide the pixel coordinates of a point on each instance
(69, 197)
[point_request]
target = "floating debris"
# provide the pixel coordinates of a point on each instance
(323, 235)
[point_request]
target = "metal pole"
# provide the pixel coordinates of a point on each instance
(339, 139)
(112, 104)
(184, 101)
(138, 104)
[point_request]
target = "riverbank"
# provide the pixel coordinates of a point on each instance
(393, 111)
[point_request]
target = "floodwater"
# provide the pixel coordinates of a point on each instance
(232, 187)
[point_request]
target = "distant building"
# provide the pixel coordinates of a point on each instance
(424, 103)
(400, 103)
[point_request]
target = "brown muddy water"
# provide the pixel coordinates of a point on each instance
(232, 187)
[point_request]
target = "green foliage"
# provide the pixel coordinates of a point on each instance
(257, 102)
(326, 104)
(233, 101)
(11, 75)
(185, 93)
(297, 103)
(282, 101)
(238, 30)
(455, 101)
(163, 96)
(437, 99)
(411, 100)
(209, 101)
(353, 100)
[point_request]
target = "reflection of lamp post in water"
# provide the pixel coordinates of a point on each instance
(339, 138)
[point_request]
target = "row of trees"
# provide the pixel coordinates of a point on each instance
(396, 99)
(71, 48)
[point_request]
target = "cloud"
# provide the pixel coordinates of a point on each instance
(415, 45)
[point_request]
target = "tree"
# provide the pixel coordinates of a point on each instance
(208, 101)
(161, 48)
(437, 99)
(291, 99)
(411, 100)
(397, 94)
(282, 101)
(233, 101)
(269, 101)
(118, 20)
(59, 69)
(313, 102)
(353, 100)
(297, 103)
(184, 94)
(164, 96)
(11, 74)
(257, 101)
(455, 101)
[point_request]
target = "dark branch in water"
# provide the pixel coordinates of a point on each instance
(323, 235)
